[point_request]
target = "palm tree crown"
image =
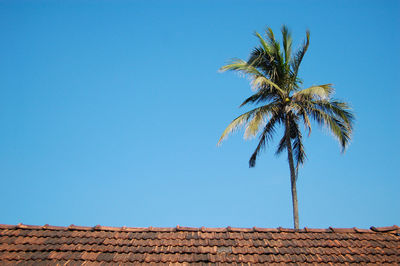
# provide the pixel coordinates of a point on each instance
(273, 71)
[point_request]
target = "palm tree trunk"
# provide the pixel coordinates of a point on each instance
(292, 179)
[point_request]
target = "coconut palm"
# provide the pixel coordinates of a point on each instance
(273, 71)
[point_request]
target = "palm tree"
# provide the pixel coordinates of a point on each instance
(277, 90)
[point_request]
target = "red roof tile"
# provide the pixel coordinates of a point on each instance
(75, 245)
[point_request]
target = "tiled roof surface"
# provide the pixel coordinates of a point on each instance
(75, 245)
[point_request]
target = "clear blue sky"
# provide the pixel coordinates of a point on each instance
(110, 112)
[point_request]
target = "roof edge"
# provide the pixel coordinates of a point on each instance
(387, 229)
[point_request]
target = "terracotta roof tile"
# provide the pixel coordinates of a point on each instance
(393, 228)
(75, 245)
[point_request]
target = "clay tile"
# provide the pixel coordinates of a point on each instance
(110, 228)
(184, 228)
(177, 227)
(229, 229)
(385, 229)
(97, 227)
(71, 227)
(191, 229)
(342, 230)
(85, 228)
(123, 228)
(209, 229)
(203, 229)
(318, 230)
(136, 229)
(7, 226)
(53, 227)
(286, 229)
(21, 226)
(163, 229)
(373, 228)
(25, 226)
(34, 227)
(236, 229)
(359, 230)
(274, 230)
(258, 229)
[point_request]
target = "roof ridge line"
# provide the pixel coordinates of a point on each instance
(372, 229)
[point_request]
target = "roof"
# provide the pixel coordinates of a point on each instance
(75, 245)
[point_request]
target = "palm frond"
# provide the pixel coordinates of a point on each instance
(275, 51)
(263, 82)
(340, 129)
(266, 136)
(257, 57)
(261, 60)
(262, 95)
(282, 145)
(296, 60)
(271, 36)
(241, 66)
(316, 92)
(254, 124)
(287, 43)
(235, 124)
(339, 109)
(246, 117)
(344, 111)
(306, 121)
(258, 79)
(298, 148)
(275, 48)
(262, 42)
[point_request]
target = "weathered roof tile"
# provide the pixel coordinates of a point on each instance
(74, 245)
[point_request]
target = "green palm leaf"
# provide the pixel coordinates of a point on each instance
(255, 117)
(316, 92)
(266, 135)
